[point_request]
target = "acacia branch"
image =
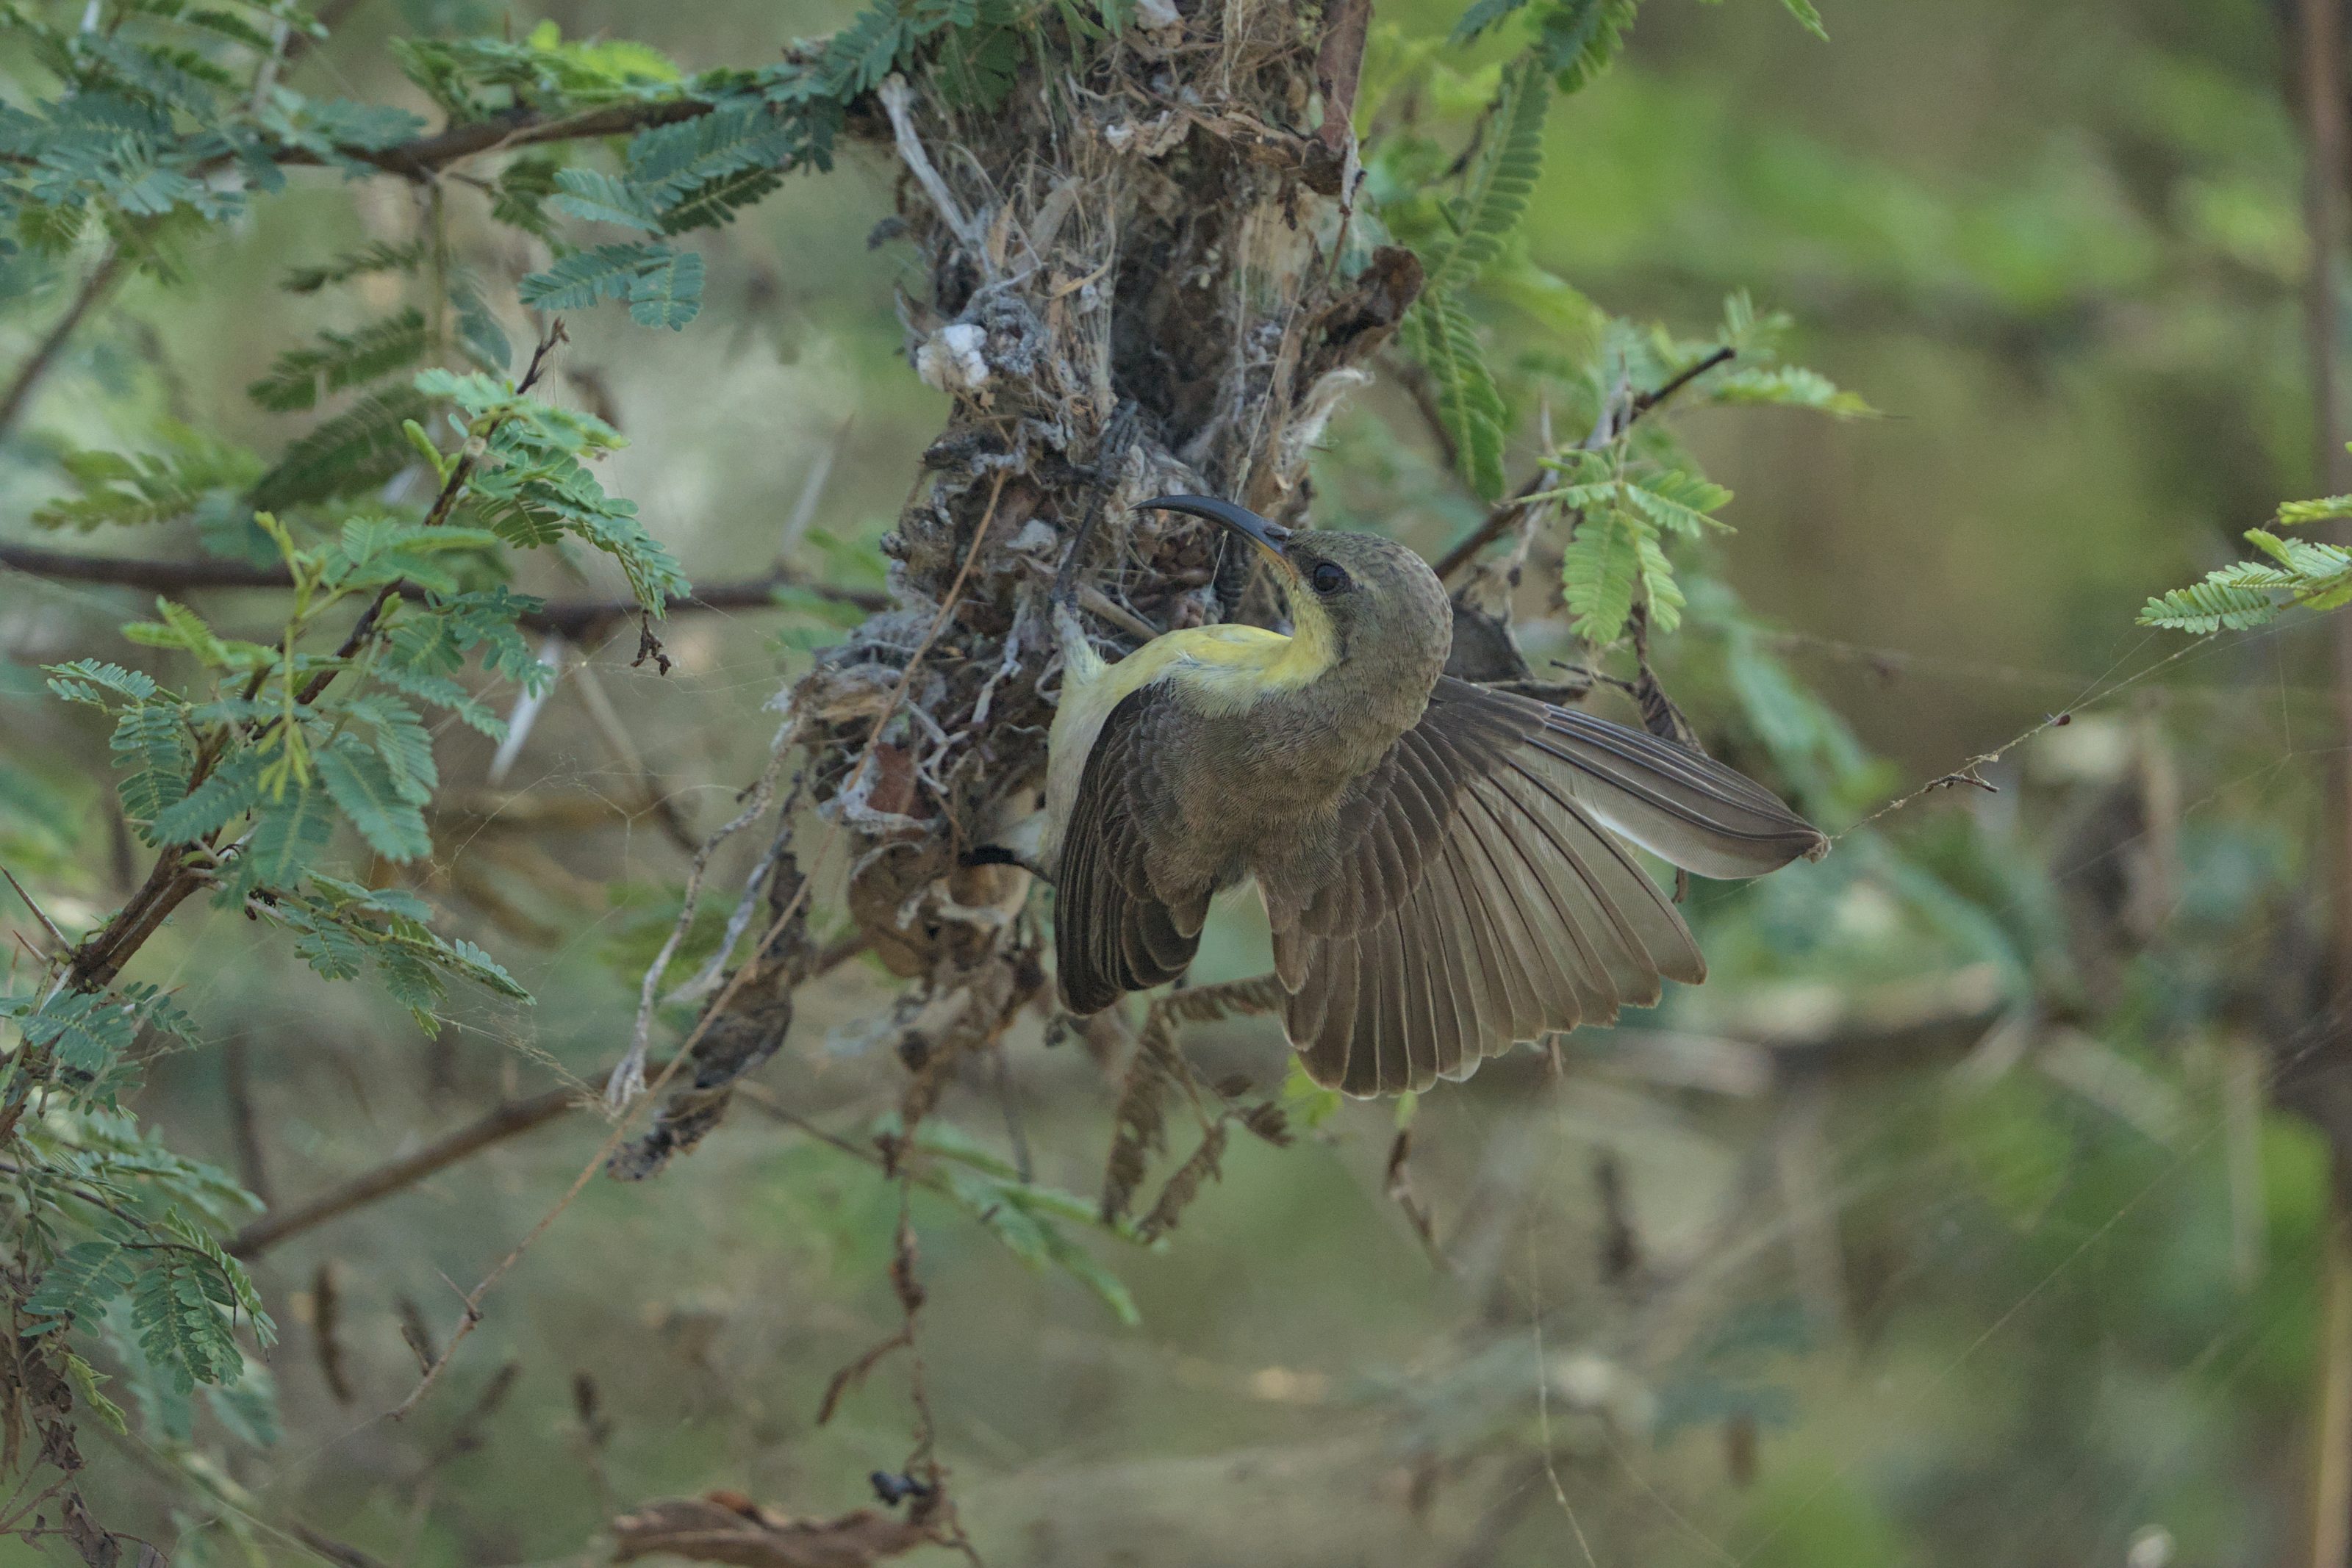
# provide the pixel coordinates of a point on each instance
(171, 880)
(509, 1119)
(571, 618)
(427, 155)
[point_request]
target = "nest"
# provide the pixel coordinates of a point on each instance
(1134, 286)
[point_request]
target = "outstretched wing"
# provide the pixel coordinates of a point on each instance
(1113, 931)
(1478, 892)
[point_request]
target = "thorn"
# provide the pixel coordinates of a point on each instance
(38, 912)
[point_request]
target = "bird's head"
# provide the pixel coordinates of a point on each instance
(1366, 601)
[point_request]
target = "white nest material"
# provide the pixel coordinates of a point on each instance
(951, 359)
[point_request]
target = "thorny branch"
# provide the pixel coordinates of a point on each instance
(428, 155)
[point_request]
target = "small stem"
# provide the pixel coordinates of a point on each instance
(1648, 401)
(29, 375)
(1505, 517)
(501, 1121)
(460, 475)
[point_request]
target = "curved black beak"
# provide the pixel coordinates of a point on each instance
(1271, 538)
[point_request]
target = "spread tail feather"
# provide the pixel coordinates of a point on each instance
(1681, 805)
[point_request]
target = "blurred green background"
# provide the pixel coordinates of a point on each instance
(1947, 1225)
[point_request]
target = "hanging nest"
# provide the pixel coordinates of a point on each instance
(1140, 279)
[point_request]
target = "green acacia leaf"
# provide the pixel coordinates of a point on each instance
(430, 687)
(152, 742)
(413, 984)
(289, 833)
(225, 1281)
(1482, 15)
(85, 1032)
(1577, 40)
(332, 949)
(669, 293)
(78, 1284)
(1785, 386)
(1502, 182)
(1677, 500)
(2210, 606)
(179, 1326)
(90, 1384)
(139, 489)
(97, 684)
(1599, 570)
(363, 788)
(1660, 593)
(2292, 514)
(228, 792)
(598, 197)
(477, 325)
(583, 277)
(858, 56)
(341, 360)
(1439, 333)
(403, 743)
(1073, 1258)
(375, 256)
(355, 452)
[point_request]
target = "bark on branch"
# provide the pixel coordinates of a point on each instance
(572, 618)
(507, 1120)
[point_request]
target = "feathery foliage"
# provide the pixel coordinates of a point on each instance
(341, 360)
(191, 474)
(2299, 573)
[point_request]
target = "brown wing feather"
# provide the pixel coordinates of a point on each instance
(1114, 932)
(1474, 891)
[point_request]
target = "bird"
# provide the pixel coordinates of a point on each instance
(1445, 867)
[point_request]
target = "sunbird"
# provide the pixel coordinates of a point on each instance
(1444, 867)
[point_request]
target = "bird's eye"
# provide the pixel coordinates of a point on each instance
(1327, 579)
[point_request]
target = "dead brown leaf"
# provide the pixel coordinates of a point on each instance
(1184, 1185)
(851, 1376)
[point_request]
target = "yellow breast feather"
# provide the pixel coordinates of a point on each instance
(1219, 669)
